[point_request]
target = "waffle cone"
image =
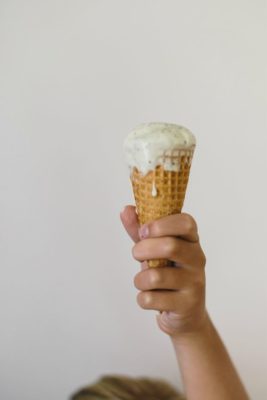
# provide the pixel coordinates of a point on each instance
(160, 193)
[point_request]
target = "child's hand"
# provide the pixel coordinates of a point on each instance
(178, 291)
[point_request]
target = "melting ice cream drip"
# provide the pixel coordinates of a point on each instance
(154, 190)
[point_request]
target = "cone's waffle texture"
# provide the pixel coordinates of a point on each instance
(160, 193)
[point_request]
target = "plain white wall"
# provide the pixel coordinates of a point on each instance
(75, 78)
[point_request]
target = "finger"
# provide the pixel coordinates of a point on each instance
(182, 225)
(168, 278)
(183, 253)
(144, 265)
(130, 222)
(163, 300)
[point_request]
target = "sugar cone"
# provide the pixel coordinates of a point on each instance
(161, 192)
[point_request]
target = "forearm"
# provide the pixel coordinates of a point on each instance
(207, 370)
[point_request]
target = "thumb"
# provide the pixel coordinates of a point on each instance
(130, 222)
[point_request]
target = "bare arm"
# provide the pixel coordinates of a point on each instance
(207, 370)
(178, 293)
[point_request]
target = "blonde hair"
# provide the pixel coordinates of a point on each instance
(120, 387)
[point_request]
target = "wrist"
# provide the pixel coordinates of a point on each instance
(197, 331)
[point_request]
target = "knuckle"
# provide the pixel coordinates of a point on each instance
(194, 297)
(190, 224)
(198, 289)
(200, 257)
(199, 283)
(203, 259)
(170, 247)
(155, 228)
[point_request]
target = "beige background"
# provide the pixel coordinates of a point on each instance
(75, 78)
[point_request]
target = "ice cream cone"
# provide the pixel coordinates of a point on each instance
(160, 191)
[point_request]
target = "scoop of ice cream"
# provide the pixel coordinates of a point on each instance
(158, 143)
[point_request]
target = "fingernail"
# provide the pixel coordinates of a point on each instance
(143, 231)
